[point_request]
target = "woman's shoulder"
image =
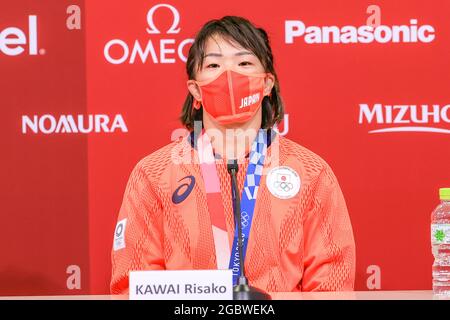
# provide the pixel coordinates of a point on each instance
(159, 161)
(310, 163)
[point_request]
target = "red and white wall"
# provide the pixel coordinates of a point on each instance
(88, 88)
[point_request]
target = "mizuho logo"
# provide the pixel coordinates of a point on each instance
(117, 51)
(406, 118)
(184, 190)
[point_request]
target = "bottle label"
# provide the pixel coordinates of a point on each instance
(440, 233)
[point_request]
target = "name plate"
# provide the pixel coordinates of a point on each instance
(181, 285)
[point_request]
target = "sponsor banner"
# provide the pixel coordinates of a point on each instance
(44, 185)
(406, 118)
(411, 32)
(93, 123)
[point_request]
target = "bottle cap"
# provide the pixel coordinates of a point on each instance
(444, 193)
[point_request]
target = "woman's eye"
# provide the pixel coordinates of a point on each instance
(212, 65)
(245, 63)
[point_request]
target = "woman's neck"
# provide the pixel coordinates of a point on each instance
(232, 141)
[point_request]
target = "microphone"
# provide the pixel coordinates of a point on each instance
(241, 291)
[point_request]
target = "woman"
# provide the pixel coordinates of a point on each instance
(177, 209)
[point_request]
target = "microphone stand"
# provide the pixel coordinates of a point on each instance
(241, 291)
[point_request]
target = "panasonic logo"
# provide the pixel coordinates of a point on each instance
(413, 32)
(49, 124)
(402, 118)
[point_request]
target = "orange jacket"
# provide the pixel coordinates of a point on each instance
(304, 243)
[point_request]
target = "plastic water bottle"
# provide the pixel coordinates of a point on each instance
(440, 242)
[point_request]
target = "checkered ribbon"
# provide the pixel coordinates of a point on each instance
(256, 164)
(254, 173)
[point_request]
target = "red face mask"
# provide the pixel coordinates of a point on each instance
(232, 97)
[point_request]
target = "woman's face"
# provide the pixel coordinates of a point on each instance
(220, 54)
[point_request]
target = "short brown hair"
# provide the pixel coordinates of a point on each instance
(243, 32)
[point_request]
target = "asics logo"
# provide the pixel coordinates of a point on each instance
(184, 190)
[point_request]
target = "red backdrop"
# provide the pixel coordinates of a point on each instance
(376, 109)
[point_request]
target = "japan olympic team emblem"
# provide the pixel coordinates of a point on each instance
(283, 182)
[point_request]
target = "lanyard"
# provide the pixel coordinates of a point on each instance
(248, 200)
(258, 152)
(214, 201)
